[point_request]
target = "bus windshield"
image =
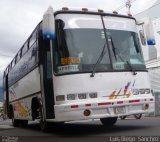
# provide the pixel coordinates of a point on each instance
(78, 50)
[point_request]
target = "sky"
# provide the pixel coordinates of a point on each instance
(18, 18)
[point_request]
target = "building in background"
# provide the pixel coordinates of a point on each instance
(151, 28)
(151, 19)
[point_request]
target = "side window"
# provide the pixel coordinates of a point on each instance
(13, 63)
(18, 56)
(25, 48)
(9, 67)
(32, 39)
(142, 37)
(15, 60)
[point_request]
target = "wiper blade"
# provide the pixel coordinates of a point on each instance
(129, 65)
(115, 53)
(113, 48)
(134, 72)
(98, 61)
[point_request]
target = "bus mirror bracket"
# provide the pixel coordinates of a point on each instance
(48, 24)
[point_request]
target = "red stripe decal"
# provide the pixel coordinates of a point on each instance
(87, 105)
(74, 106)
(134, 101)
(120, 102)
(102, 104)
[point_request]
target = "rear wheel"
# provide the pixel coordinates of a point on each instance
(15, 122)
(109, 122)
(24, 123)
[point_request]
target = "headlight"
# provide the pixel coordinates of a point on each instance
(71, 97)
(60, 98)
(82, 96)
(93, 95)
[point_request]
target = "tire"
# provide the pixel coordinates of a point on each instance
(15, 122)
(43, 124)
(122, 117)
(24, 123)
(138, 116)
(109, 122)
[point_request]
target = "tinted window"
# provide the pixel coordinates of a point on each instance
(32, 39)
(18, 56)
(25, 65)
(25, 48)
(13, 63)
(79, 49)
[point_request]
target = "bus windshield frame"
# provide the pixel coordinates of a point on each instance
(78, 49)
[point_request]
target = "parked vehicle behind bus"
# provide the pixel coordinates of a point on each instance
(78, 65)
(137, 116)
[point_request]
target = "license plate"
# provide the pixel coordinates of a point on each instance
(119, 110)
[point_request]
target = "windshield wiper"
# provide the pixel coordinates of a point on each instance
(115, 53)
(98, 61)
(113, 48)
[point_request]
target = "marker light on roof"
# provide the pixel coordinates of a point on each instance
(48, 25)
(65, 8)
(100, 10)
(129, 14)
(115, 12)
(84, 9)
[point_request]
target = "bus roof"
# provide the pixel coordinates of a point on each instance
(92, 12)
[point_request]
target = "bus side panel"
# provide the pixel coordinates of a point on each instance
(22, 108)
(22, 92)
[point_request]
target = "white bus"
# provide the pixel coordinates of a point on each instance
(78, 65)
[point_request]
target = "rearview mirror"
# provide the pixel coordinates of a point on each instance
(48, 24)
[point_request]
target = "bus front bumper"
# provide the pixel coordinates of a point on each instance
(99, 109)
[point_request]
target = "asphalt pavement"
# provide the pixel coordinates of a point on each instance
(129, 130)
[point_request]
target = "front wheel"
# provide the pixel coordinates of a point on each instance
(109, 122)
(43, 124)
